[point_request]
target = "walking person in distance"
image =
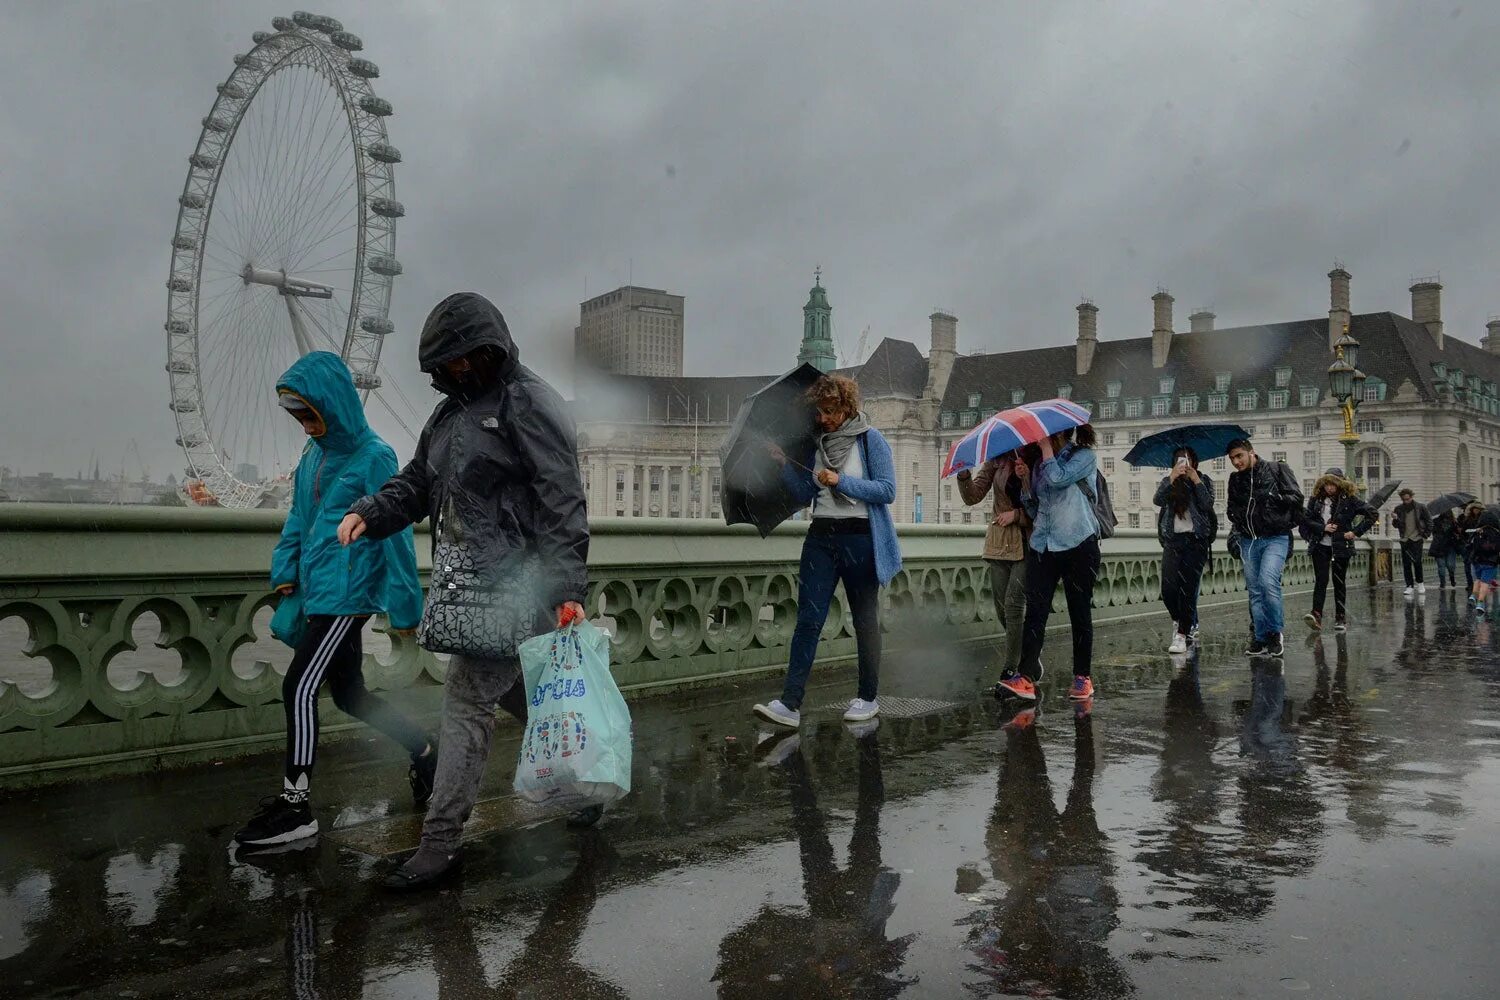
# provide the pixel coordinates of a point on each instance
(1413, 526)
(1005, 542)
(1447, 543)
(1265, 504)
(1060, 495)
(1186, 525)
(496, 469)
(852, 539)
(1334, 518)
(338, 591)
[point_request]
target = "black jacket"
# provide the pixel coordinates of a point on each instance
(1200, 510)
(1447, 536)
(1398, 519)
(1264, 500)
(1349, 513)
(497, 462)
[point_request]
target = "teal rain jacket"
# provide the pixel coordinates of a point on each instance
(347, 462)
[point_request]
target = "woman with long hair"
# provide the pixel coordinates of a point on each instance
(1187, 527)
(1004, 542)
(1057, 494)
(852, 539)
(1334, 518)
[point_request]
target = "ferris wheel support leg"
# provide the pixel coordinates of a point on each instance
(299, 328)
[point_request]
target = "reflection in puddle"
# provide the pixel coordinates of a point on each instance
(136, 887)
(28, 901)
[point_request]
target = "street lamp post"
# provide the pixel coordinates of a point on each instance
(1347, 384)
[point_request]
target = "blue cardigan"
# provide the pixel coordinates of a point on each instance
(877, 490)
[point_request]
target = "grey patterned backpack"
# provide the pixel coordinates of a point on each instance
(472, 610)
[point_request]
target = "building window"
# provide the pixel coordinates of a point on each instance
(1218, 465)
(947, 493)
(948, 416)
(1187, 405)
(1309, 459)
(1017, 396)
(968, 418)
(1221, 382)
(1307, 487)
(1160, 406)
(968, 518)
(1112, 389)
(1278, 430)
(1109, 410)
(947, 517)
(1135, 492)
(1278, 456)
(1280, 399)
(1247, 399)
(973, 400)
(1310, 395)
(1132, 408)
(1109, 439)
(1133, 519)
(1283, 377)
(1065, 391)
(1371, 426)
(1309, 428)
(1109, 466)
(1133, 437)
(655, 480)
(1373, 465)
(1219, 491)
(1218, 403)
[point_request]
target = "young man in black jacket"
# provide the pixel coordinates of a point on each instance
(1413, 527)
(1265, 504)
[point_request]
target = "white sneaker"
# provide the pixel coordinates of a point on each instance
(1193, 635)
(1421, 588)
(778, 713)
(777, 747)
(860, 710)
(859, 730)
(1408, 592)
(1179, 643)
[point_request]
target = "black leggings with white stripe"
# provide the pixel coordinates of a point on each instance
(331, 652)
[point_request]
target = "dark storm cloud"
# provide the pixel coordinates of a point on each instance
(997, 160)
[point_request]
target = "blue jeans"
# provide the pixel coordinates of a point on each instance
(1447, 565)
(834, 552)
(1264, 559)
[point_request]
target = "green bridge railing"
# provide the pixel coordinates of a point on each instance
(133, 637)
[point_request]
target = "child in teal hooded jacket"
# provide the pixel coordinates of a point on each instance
(330, 591)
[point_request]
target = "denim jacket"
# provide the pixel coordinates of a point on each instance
(1061, 512)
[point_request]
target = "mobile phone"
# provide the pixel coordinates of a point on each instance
(1182, 462)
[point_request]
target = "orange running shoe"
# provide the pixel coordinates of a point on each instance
(1013, 685)
(1082, 689)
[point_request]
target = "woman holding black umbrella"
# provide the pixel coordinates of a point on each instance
(852, 538)
(1187, 527)
(1447, 543)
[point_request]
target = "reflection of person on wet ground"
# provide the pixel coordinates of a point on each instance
(839, 946)
(547, 964)
(1330, 711)
(1280, 814)
(1048, 934)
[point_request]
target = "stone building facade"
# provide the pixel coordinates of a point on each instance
(631, 331)
(1430, 414)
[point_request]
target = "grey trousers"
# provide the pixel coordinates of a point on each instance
(472, 692)
(1008, 584)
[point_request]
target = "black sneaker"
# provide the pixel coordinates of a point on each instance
(1341, 625)
(423, 770)
(586, 817)
(1275, 647)
(1256, 648)
(278, 822)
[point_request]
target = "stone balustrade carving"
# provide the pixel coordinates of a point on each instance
(135, 636)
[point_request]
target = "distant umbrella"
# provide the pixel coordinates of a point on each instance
(1012, 429)
(1207, 441)
(780, 415)
(1448, 501)
(1380, 496)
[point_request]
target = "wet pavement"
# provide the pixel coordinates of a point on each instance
(1213, 828)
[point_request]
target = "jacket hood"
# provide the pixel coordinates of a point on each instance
(458, 325)
(323, 380)
(1346, 488)
(1490, 518)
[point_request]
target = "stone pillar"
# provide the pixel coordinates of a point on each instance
(1492, 341)
(1161, 329)
(1338, 304)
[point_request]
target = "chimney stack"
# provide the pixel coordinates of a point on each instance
(1338, 303)
(1427, 307)
(1088, 336)
(1161, 333)
(1202, 321)
(943, 353)
(1491, 343)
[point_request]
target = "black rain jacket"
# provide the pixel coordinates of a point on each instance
(1264, 500)
(1350, 513)
(496, 464)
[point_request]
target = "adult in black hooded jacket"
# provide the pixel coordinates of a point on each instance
(496, 468)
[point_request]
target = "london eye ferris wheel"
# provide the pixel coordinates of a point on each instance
(285, 243)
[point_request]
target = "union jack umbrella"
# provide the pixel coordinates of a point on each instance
(1011, 429)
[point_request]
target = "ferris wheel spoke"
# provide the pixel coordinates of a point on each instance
(305, 235)
(316, 192)
(298, 139)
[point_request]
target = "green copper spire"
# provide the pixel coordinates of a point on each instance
(817, 328)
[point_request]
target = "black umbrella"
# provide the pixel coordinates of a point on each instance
(779, 415)
(1380, 496)
(1207, 441)
(1448, 501)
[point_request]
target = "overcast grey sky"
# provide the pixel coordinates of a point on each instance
(995, 159)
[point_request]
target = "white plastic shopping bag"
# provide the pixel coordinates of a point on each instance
(576, 752)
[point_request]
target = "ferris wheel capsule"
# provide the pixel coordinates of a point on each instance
(216, 125)
(178, 326)
(180, 366)
(203, 161)
(182, 241)
(232, 90)
(365, 382)
(282, 23)
(384, 152)
(388, 208)
(180, 284)
(363, 68)
(192, 200)
(377, 106)
(378, 325)
(182, 406)
(388, 266)
(347, 41)
(260, 37)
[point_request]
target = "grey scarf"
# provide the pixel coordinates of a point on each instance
(834, 447)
